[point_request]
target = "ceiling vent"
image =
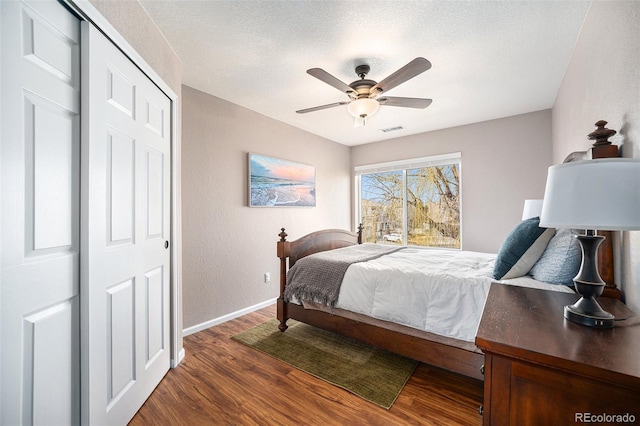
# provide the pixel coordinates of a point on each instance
(392, 129)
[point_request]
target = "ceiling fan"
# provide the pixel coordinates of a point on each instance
(364, 94)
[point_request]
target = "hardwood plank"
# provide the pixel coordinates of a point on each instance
(222, 381)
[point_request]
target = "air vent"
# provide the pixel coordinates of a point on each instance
(392, 129)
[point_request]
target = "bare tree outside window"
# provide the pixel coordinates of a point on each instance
(432, 197)
(382, 207)
(433, 206)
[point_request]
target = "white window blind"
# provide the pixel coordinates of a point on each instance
(414, 163)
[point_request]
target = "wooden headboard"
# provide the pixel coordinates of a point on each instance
(602, 148)
(326, 239)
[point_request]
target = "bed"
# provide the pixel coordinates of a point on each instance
(446, 343)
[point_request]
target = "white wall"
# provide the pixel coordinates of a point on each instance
(602, 82)
(227, 246)
(504, 162)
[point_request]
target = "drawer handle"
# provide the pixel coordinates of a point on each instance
(482, 369)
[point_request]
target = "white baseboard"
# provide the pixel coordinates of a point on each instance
(199, 327)
(175, 363)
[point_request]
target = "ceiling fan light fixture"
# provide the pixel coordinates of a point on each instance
(363, 94)
(363, 107)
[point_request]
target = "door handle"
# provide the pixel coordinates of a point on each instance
(166, 244)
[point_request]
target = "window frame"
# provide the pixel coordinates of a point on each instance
(403, 166)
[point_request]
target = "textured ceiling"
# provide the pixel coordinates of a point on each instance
(490, 59)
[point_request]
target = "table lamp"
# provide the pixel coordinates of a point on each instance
(592, 195)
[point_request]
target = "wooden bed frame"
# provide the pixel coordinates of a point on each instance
(434, 353)
(462, 361)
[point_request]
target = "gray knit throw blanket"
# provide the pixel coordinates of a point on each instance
(318, 277)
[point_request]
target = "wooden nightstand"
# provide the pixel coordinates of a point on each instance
(541, 369)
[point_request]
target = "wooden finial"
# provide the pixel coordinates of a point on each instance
(283, 235)
(601, 134)
(602, 147)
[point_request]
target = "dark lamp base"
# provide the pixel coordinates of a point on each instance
(596, 318)
(589, 285)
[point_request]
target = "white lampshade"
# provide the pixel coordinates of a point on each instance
(602, 194)
(532, 208)
(363, 107)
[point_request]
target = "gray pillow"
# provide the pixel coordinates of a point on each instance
(560, 262)
(521, 249)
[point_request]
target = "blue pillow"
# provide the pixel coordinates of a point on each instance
(522, 249)
(560, 262)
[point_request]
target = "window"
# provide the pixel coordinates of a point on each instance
(414, 202)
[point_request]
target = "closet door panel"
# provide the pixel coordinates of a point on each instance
(126, 196)
(40, 147)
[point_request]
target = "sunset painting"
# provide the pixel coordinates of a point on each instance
(274, 182)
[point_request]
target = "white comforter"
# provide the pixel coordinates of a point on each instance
(439, 291)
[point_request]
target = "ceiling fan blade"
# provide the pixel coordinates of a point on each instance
(318, 108)
(405, 102)
(322, 75)
(413, 68)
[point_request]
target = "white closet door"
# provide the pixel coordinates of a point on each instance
(40, 172)
(126, 259)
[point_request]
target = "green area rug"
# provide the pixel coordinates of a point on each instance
(373, 374)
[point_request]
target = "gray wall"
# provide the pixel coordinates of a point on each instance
(603, 82)
(504, 162)
(227, 246)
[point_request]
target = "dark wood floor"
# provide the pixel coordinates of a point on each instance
(221, 381)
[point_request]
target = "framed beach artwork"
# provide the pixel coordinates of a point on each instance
(274, 182)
